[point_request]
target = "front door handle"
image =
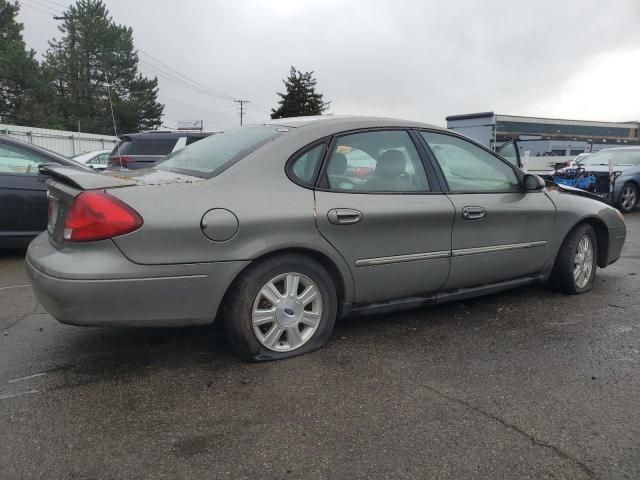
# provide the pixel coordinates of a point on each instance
(344, 216)
(473, 213)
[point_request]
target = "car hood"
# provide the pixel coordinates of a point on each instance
(92, 180)
(574, 191)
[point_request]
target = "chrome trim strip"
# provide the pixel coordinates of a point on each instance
(366, 262)
(496, 248)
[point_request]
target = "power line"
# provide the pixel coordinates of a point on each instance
(56, 3)
(185, 78)
(36, 8)
(44, 5)
(168, 76)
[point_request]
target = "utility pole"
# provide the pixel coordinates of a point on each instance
(243, 109)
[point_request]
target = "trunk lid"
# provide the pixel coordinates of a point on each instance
(66, 183)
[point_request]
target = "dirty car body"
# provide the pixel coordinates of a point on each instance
(282, 200)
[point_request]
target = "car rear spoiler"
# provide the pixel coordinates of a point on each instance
(84, 179)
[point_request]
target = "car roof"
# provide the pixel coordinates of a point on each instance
(165, 134)
(346, 122)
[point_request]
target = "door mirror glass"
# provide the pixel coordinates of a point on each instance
(533, 182)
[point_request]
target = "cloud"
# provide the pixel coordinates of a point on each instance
(420, 60)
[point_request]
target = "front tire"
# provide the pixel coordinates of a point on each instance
(628, 197)
(575, 268)
(279, 308)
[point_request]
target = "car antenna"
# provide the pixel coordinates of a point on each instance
(113, 118)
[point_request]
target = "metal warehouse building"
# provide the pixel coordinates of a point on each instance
(545, 136)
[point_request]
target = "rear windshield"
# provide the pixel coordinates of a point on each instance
(210, 156)
(144, 146)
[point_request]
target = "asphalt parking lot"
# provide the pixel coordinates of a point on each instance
(523, 384)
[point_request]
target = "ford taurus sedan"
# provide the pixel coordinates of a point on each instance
(277, 230)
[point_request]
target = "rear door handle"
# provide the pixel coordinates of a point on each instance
(344, 216)
(473, 213)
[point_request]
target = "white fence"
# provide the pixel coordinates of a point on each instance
(60, 141)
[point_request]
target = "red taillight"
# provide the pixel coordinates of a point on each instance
(119, 161)
(97, 216)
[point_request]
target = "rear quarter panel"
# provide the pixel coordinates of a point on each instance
(273, 214)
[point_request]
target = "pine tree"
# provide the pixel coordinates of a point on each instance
(301, 98)
(25, 96)
(94, 53)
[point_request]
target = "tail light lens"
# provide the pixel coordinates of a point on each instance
(119, 161)
(98, 216)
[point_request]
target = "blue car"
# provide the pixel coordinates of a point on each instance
(622, 188)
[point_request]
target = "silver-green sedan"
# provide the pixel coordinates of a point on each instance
(277, 230)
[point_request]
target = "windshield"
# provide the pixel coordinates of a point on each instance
(618, 157)
(206, 158)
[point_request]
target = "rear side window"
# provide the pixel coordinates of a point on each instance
(210, 156)
(304, 167)
(17, 161)
(380, 161)
(144, 146)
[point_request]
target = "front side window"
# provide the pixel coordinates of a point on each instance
(211, 155)
(381, 161)
(469, 168)
(17, 161)
(509, 153)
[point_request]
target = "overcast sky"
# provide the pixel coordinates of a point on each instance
(420, 60)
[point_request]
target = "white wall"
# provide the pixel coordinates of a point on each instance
(60, 141)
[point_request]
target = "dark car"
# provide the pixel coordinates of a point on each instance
(141, 150)
(23, 190)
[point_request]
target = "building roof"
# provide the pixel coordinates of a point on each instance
(519, 118)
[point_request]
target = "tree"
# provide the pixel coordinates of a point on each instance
(25, 96)
(301, 98)
(94, 54)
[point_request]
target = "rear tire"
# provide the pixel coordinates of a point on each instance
(575, 268)
(628, 197)
(280, 307)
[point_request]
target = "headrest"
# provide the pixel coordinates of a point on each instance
(391, 164)
(337, 164)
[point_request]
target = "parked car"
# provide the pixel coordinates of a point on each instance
(142, 150)
(23, 191)
(96, 159)
(266, 227)
(618, 186)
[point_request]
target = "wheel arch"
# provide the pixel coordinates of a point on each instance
(343, 282)
(602, 237)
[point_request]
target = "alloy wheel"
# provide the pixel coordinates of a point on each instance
(286, 312)
(628, 197)
(583, 262)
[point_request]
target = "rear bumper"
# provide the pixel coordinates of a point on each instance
(616, 242)
(120, 293)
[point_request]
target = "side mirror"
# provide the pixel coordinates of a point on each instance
(533, 182)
